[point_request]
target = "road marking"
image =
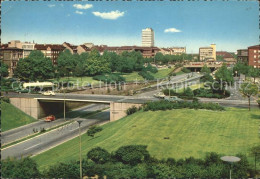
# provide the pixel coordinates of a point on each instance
(31, 147)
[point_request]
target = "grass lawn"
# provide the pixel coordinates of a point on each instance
(193, 87)
(132, 76)
(13, 117)
(191, 133)
(162, 73)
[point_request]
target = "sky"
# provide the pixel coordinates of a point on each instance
(231, 25)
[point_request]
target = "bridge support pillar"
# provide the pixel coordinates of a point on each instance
(118, 109)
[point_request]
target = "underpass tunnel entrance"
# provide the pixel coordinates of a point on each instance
(73, 109)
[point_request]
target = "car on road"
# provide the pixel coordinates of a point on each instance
(50, 118)
(22, 91)
(173, 99)
(159, 95)
(48, 93)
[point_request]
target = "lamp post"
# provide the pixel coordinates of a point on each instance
(231, 160)
(64, 106)
(256, 153)
(80, 160)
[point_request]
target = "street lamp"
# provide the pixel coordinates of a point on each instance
(80, 160)
(231, 160)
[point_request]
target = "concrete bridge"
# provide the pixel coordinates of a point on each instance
(39, 106)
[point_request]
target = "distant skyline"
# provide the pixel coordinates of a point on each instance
(231, 25)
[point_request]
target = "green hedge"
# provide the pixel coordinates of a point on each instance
(167, 105)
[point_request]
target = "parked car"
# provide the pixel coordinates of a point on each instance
(50, 118)
(159, 95)
(173, 99)
(48, 93)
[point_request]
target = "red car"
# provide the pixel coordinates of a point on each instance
(50, 118)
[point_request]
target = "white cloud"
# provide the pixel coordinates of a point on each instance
(79, 12)
(80, 6)
(109, 15)
(51, 5)
(171, 30)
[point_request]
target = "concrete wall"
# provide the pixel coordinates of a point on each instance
(118, 110)
(28, 105)
(39, 110)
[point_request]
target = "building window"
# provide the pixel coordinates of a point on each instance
(254, 56)
(254, 51)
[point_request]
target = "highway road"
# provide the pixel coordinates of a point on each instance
(53, 138)
(69, 96)
(26, 130)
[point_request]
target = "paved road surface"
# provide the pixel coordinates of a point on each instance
(26, 130)
(49, 140)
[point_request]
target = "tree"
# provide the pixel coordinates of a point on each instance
(4, 69)
(96, 65)
(66, 63)
(93, 130)
(254, 72)
(159, 57)
(98, 155)
(23, 168)
(241, 68)
(34, 67)
(24, 69)
(132, 154)
(224, 76)
(248, 89)
(205, 70)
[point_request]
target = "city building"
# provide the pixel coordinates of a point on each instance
(51, 51)
(70, 47)
(254, 56)
(11, 56)
(147, 37)
(208, 53)
(177, 50)
(242, 55)
(228, 57)
(26, 46)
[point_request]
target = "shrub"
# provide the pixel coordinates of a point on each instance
(188, 92)
(6, 99)
(146, 75)
(98, 155)
(150, 68)
(131, 110)
(185, 70)
(93, 130)
(132, 154)
(167, 105)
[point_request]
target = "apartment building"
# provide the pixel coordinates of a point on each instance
(254, 56)
(208, 53)
(148, 37)
(228, 57)
(242, 55)
(177, 50)
(26, 46)
(70, 47)
(51, 51)
(11, 56)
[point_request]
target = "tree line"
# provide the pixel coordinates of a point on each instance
(131, 161)
(38, 67)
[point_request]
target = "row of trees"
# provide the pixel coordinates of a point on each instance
(38, 67)
(165, 59)
(132, 161)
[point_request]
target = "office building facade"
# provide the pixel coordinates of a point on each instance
(148, 37)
